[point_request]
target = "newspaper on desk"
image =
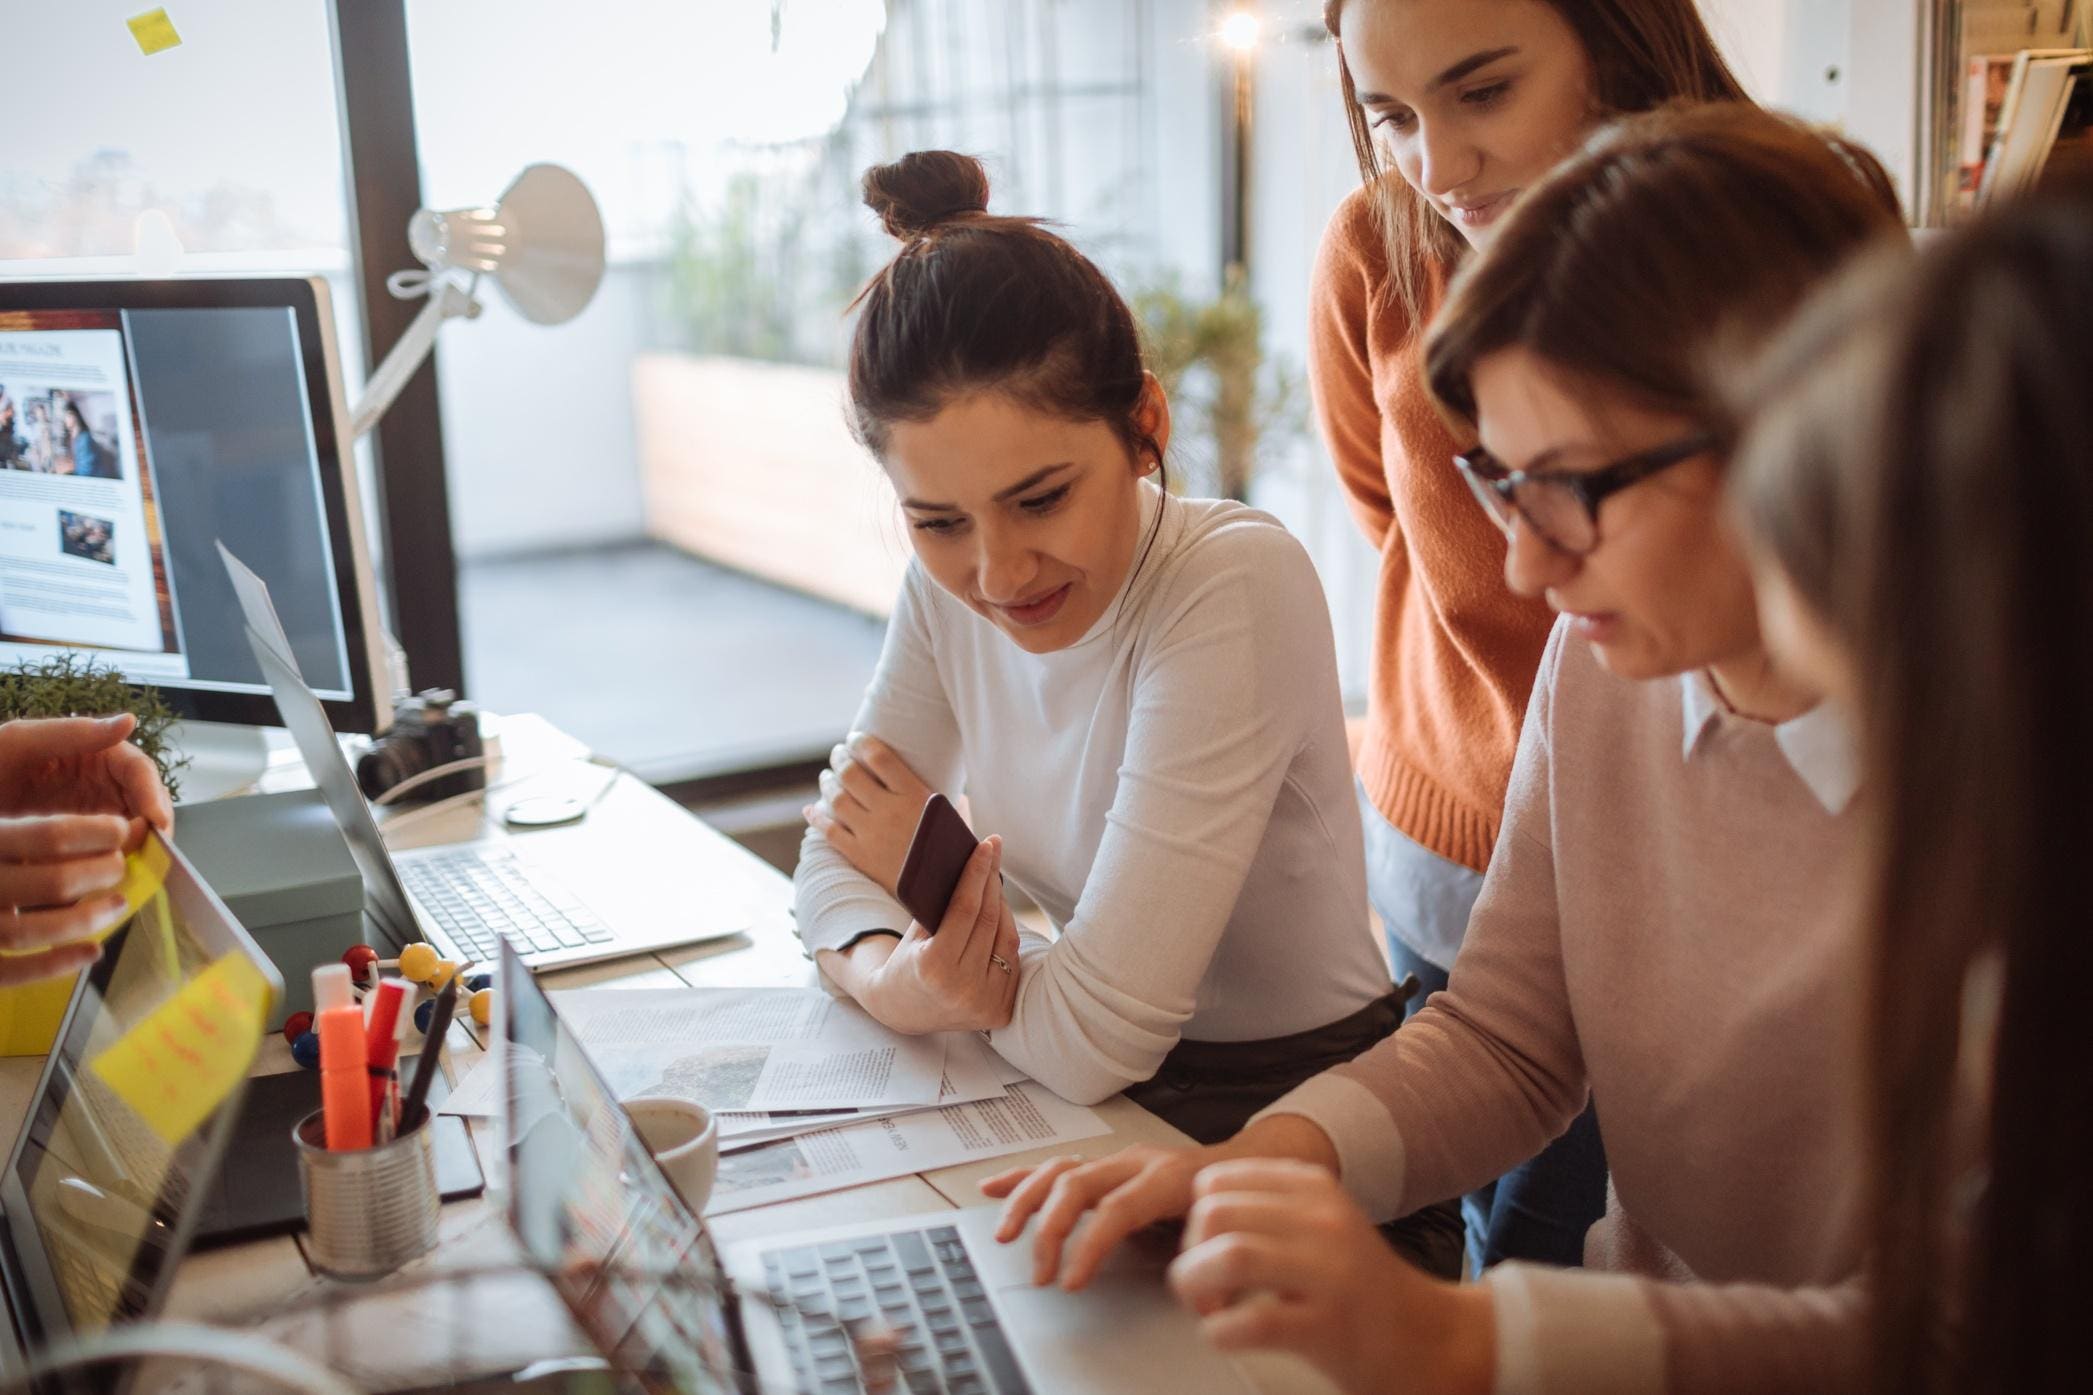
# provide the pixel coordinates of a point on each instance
(910, 1104)
(972, 1073)
(752, 1050)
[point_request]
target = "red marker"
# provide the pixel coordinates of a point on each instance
(382, 1040)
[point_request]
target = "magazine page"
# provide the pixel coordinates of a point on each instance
(81, 561)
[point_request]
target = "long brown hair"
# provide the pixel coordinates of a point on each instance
(1920, 466)
(1672, 234)
(1644, 53)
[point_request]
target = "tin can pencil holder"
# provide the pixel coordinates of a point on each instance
(367, 1210)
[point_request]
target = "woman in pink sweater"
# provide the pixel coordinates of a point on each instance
(1660, 929)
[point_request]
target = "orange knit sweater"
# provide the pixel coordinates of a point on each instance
(1454, 651)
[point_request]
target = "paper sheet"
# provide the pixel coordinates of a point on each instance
(1029, 1117)
(970, 1076)
(751, 1048)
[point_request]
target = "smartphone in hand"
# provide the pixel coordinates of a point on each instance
(936, 857)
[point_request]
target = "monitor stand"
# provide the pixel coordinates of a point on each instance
(224, 759)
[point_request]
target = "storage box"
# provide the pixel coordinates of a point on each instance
(282, 867)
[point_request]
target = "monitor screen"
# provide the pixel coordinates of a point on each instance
(136, 1097)
(143, 423)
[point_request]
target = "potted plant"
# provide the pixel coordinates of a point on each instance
(65, 685)
(1229, 399)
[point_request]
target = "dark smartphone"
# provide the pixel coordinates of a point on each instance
(936, 857)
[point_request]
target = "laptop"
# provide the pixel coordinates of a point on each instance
(110, 1169)
(644, 1279)
(468, 898)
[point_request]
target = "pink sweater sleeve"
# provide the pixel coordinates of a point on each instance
(1581, 1332)
(1489, 1073)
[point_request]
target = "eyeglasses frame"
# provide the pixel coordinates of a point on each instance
(1484, 472)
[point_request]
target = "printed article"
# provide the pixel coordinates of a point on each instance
(81, 563)
(1029, 1117)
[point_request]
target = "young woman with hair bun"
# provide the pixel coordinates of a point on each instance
(1135, 692)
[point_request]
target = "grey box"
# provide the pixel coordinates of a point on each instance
(281, 866)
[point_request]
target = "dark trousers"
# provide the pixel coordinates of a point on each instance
(1209, 1089)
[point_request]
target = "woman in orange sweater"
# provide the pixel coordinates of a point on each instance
(1455, 106)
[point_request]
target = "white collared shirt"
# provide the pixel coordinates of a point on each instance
(1818, 745)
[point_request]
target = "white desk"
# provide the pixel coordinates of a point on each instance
(681, 867)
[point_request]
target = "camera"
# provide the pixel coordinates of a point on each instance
(429, 731)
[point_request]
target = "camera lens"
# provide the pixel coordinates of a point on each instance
(390, 760)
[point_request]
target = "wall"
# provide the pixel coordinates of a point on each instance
(539, 445)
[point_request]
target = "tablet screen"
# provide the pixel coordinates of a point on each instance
(145, 1072)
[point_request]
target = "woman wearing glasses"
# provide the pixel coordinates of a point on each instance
(1661, 925)
(1455, 106)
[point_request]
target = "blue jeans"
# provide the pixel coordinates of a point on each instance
(1541, 1209)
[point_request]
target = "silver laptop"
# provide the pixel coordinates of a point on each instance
(468, 898)
(643, 1279)
(106, 1180)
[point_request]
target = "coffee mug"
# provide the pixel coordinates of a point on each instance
(683, 1139)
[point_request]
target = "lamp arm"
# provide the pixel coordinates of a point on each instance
(446, 301)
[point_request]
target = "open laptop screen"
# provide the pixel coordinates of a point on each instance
(136, 1098)
(591, 1208)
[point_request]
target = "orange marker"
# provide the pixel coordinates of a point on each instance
(345, 1085)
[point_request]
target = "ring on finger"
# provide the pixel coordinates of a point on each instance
(999, 961)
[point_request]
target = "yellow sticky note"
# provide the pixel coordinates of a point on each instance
(30, 1014)
(185, 1056)
(154, 31)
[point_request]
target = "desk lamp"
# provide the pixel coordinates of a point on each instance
(542, 244)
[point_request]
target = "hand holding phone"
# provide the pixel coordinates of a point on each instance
(936, 857)
(957, 971)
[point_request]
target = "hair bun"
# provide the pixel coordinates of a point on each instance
(925, 188)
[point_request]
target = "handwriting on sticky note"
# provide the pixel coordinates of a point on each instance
(154, 31)
(185, 1056)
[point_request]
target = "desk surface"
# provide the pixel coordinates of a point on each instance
(683, 865)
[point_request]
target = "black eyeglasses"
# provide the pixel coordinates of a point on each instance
(1564, 508)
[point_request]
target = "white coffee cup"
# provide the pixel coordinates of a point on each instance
(683, 1139)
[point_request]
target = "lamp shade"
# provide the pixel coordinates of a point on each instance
(542, 244)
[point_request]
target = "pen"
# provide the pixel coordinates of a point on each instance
(425, 1068)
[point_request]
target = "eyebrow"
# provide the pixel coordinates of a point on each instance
(1454, 74)
(1037, 477)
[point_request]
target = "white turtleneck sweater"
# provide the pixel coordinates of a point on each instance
(1173, 790)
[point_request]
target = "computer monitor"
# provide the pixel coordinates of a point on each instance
(141, 424)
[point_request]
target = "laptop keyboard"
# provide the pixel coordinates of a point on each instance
(924, 1287)
(479, 896)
